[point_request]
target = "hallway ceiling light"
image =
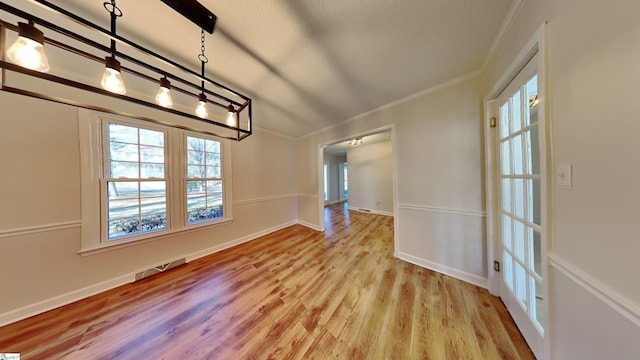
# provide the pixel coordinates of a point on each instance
(230, 115)
(356, 142)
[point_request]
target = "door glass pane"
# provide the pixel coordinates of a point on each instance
(506, 195)
(517, 155)
(506, 231)
(538, 308)
(504, 120)
(506, 158)
(521, 284)
(532, 100)
(516, 111)
(536, 196)
(533, 153)
(536, 251)
(507, 271)
(518, 197)
(519, 239)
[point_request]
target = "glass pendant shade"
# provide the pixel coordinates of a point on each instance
(232, 116)
(163, 97)
(111, 79)
(28, 49)
(201, 109)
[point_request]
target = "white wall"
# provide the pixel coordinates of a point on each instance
(40, 209)
(439, 176)
(333, 176)
(593, 70)
(371, 177)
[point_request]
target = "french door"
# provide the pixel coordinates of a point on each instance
(520, 206)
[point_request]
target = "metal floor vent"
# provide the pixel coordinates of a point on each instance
(158, 269)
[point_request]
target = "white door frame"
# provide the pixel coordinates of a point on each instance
(535, 45)
(394, 150)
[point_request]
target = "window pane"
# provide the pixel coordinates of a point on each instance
(212, 146)
(195, 171)
(123, 133)
(213, 171)
(124, 170)
(151, 171)
(536, 198)
(151, 137)
(123, 152)
(213, 159)
(123, 227)
(538, 309)
(195, 157)
(152, 154)
(532, 147)
(195, 143)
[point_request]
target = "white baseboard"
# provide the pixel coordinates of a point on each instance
(232, 243)
(64, 299)
(79, 294)
(446, 270)
(620, 303)
(371, 211)
(310, 225)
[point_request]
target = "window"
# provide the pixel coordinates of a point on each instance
(326, 182)
(204, 180)
(130, 189)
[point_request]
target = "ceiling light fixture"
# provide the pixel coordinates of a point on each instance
(201, 108)
(163, 96)
(28, 49)
(356, 142)
(112, 79)
(232, 116)
(225, 112)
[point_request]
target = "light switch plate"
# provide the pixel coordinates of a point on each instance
(564, 176)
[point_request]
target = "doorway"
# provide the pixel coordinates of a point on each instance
(516, 192)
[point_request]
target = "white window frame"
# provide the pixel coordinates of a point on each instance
(92, 139)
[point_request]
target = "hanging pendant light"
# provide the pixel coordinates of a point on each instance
(201, 108)
(232, 116)
(28, 49)
(112, 79)
(163, 97)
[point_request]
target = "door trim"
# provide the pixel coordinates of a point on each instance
(535, 45)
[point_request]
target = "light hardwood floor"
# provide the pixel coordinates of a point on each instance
(293, 294)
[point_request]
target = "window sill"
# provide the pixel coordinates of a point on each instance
(121, 244)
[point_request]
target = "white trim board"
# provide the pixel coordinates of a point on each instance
(79, 294)
(444, 269)
(263, 199)
(28, 230)
(626, 307)
(442, 210)
(371, 211)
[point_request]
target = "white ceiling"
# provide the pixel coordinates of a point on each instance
(309, 64)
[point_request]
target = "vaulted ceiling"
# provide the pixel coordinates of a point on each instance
(309, 64)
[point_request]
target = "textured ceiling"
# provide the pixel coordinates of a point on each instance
(309, 64)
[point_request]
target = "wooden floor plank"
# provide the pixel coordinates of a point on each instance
(292, 294)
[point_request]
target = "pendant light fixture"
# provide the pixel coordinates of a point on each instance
(28, 49)
(112, 79)
(163, 97)
(26, 56)
(232, 116)
(201, 108)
